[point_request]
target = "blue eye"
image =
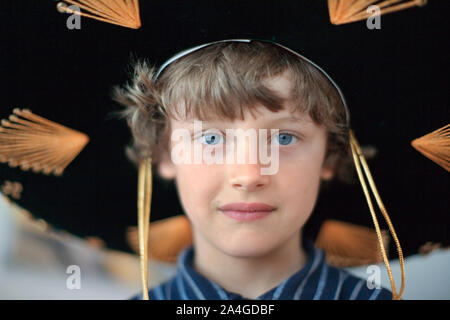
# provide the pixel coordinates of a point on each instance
(285, 139)
(211, 138)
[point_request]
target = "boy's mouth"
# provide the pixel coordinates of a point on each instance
(246, 211)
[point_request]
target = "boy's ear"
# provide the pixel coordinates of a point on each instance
(328, 168)
(166, 168)
(327, 173)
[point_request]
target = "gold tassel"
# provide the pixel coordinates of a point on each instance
(350, 245)
(435, 146)
(346, 11)
(124, 13)
(32, 142)
(144, 201)
(359, 159)
(168, 238)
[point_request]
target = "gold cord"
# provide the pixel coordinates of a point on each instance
(359, 157)
(144, 201)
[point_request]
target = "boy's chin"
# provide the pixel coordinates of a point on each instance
(248, 249)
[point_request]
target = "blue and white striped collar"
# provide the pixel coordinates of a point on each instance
(194, 286)
(315, 281)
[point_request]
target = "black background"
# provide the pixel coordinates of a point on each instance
(395, 81)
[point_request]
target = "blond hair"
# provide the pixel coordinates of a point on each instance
(222, 81)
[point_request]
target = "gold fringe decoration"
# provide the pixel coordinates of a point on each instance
(124, 13)
(12, 189)
(350, 245)
(144, 202)
(435, 146)
(359, 160)
(347, 11)
(167, 239)
(32, 142)
(145, 194)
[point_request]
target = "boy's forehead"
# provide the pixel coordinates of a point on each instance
(281, 84)
(260, 116)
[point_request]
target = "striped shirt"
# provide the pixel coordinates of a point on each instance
(317, 280)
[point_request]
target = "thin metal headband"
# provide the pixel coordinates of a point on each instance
(190, 50)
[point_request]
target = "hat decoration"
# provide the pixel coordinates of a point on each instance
(33, 142)
(435, 146)
(124, 13)
(343, 11)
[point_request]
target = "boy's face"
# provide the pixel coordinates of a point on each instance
(292, 191)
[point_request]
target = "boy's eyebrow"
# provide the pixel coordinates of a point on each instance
(303, 122)
(290, 119)
(270, 121)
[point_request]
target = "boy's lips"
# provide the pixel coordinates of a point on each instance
(246, 211)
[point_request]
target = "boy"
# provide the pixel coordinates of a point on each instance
(247, 226)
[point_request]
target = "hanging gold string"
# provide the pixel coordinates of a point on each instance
(359, 159)
(144, 202)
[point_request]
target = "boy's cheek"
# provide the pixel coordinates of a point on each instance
(198, 175)
(196, 186)
(298, 185)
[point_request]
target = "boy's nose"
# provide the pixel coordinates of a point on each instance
(247, 177)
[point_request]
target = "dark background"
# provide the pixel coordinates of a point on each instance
(395, 81)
